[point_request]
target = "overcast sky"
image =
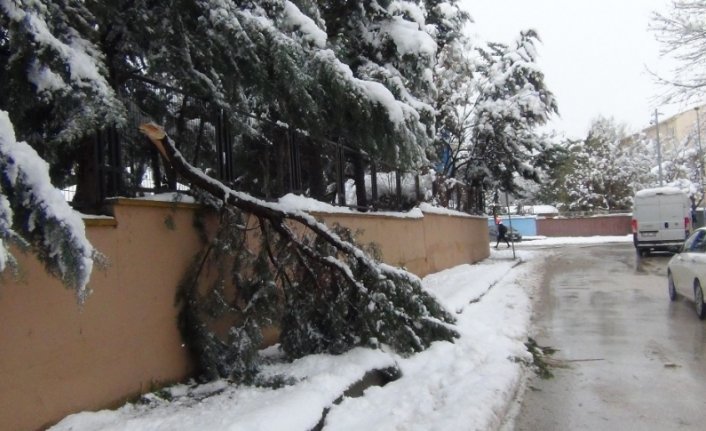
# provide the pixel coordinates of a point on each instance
(594, 53)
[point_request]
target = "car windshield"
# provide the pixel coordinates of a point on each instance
(696, 242)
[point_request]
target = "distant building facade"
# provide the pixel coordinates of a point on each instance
(677, 128)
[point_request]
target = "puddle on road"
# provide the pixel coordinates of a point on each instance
(654, 264)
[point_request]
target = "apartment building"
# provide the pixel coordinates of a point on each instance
(677, 128)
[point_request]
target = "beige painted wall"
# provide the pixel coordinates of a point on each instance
(421, 245)
(451, 241)
(57, 358)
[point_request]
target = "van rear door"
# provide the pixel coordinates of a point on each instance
(674, 214)
(648, 226)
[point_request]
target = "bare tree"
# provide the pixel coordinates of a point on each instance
(682, 34)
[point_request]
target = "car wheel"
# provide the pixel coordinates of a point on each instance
(671, 287)
(699, 300)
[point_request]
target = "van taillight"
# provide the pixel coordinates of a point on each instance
(687, 221)
(633, 223)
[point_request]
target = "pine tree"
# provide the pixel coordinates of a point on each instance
(455, 75)
(55, 93)
(388, 43)
(491, 103)
(54, 83)
(603, 170)
(34, 214)
(512, 101)
(557, 166)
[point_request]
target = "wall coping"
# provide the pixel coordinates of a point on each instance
(414, 214)
(147, 202)
(99, 221)
(625, 214)
(110, 221)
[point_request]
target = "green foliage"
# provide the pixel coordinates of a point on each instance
(228, 287)
(558, 166)
(325, 312)
(54, 83)
(318, 309)
(34, 215)
(541, 358)
(601, 171)
(492, 98)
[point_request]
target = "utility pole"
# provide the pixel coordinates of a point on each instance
(509, 232)
(701, 150)
(659, 148)
(701, 157)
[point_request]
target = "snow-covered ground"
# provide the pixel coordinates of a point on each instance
(467, 385)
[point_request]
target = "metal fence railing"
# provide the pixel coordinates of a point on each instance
(273, 161)
(125, 165)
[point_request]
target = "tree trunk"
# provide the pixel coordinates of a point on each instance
(88, 198)
(359, 178)
(313, 156)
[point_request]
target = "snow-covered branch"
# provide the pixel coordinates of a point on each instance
(34, 212)
(387, 304)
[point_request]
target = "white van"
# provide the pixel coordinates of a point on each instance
(661, 219)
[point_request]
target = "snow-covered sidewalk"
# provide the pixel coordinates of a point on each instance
(468, 385)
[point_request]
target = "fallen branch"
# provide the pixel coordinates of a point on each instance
(371, 303)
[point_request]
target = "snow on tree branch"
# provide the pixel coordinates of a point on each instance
(34, 212)
(374, 303)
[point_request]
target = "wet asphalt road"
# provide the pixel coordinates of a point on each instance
(628, 359)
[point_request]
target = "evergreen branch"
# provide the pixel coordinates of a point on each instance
(359, 301)
(260, 208)
(270, 254)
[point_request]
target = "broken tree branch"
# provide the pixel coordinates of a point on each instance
(377, 303)
(275, 214)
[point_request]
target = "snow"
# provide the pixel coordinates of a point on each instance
(387, 185)
(380, 94)
(534, 210)
(408, 37)
(658, 191)
(413, 11)
(535, 241)
(6, 215)
(541, 209)
(82, 68)
(171, 197)
(32, 172)
(374, 91)
(44, 79)
(431, 209)
(291, 203)
(469, 384)
(306, 25)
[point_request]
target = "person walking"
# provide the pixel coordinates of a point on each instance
(502, 234)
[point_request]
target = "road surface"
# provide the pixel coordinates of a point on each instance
(628, 359)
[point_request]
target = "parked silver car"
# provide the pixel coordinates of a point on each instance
(686, 271)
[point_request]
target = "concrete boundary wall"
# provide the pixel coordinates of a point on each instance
(57, 358)
(422, 245)
(611, 225)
